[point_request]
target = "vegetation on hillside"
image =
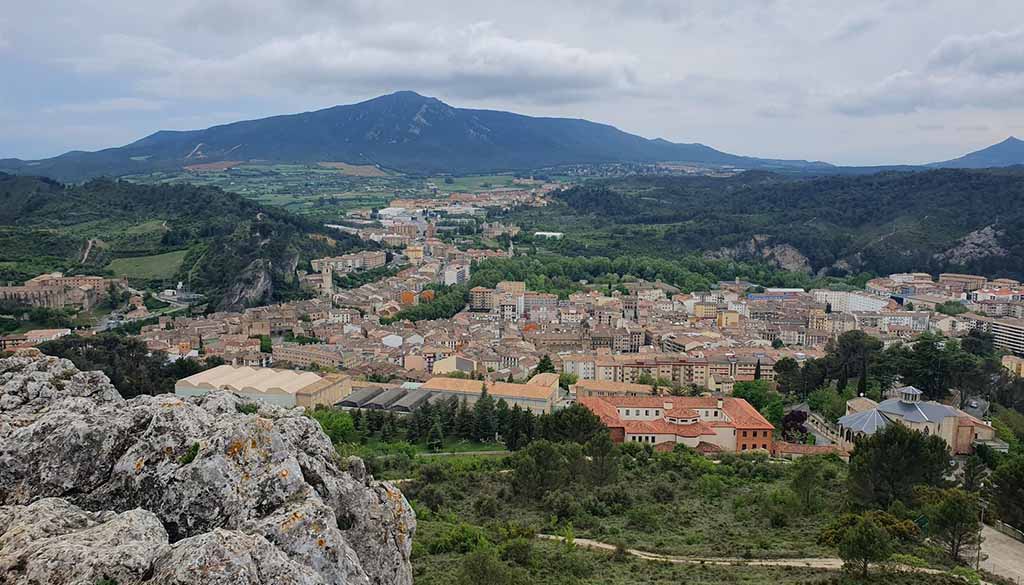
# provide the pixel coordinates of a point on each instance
(221, 244)
(841, 224)
(132, 368)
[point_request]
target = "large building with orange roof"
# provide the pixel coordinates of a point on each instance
(706, 423)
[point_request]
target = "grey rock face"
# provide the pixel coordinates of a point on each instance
(251, 498)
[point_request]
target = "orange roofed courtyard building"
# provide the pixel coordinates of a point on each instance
(706, 423)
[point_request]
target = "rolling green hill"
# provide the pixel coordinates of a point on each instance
(938, 220)
(233, 249)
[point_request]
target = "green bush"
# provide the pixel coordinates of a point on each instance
(458, 538)
(970, 575)
(562, 504)
(190, 454)
(486, 506)
(518, 551)
(908, 560)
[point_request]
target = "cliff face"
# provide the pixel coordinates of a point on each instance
(158, 489)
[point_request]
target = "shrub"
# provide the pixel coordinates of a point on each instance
(458, 538)
(967, 573)
(486, 507)
(643, 517)
(908, 560)
(562, 504)
(779, 506)
(518, 551)
(710, 486)
(189, 455)
(663, 492)
(431, 496)
(483, 566)
(247, 408)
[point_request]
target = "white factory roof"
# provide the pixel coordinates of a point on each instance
(245, 379)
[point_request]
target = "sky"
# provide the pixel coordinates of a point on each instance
(867, 82)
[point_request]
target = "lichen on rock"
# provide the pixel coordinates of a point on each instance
(207, 486)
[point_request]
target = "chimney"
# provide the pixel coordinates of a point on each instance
(721, 402)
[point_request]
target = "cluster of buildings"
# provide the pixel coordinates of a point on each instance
(57, 291)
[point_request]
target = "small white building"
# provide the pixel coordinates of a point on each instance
(549, 235)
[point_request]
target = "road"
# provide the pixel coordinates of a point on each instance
(1005, 555)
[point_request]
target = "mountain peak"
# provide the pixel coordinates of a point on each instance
(1009, 152)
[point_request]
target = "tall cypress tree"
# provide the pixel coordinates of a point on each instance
(435, 438)
(464, 423)
(484, 417)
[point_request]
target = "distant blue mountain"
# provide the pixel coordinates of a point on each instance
(1007, 153)
(403, 131)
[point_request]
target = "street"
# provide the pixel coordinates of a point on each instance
(1005, 555)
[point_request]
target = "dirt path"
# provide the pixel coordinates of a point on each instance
(88, 249)
(813, 563)
(1005, 555)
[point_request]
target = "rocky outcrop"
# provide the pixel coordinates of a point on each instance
(254, 285)
(158, 489)
(761, 247)
(976, 245)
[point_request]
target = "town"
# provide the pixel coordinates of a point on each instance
(639, 347)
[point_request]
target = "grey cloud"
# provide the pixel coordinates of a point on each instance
(773, 77)
(992, 53)
(854, 27)
(473, 61)
(982, 71)
(113, 105)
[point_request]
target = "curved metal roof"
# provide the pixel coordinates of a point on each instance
(866, 422)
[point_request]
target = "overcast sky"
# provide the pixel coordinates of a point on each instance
(867, 82)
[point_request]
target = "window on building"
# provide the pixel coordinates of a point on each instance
(744, 448)
(647, 413)
(744, 433)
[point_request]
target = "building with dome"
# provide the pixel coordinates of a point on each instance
(961, 431)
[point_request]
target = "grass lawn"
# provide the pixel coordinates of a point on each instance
(149, 267)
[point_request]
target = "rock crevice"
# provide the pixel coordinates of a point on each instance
(201, 492)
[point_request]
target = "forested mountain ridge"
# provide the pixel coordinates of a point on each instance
(1006, 153)
(235, 250)
(404, 131)
(950, 219)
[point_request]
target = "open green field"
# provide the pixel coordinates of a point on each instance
(473, 183)
(149, 267)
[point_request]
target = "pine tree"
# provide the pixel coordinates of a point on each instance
(413, 434)
(357, 419)
(484, 417)
(544, 366)
(757, 370)
(529, 426)
(513, 433)
(501, 417)
(387, 430)
(435, 439)
(464, 422)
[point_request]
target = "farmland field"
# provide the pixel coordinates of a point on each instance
(149, 267)
(354, 170)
